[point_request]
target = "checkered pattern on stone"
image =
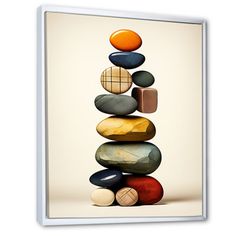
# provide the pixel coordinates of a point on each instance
(116, 80)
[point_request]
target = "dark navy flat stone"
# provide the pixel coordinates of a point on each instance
(106, 178)
(127, 60)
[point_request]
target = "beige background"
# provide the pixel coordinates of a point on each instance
(77, 52)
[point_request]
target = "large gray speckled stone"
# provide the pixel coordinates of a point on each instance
(115, 104)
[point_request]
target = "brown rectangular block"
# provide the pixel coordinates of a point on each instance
(146, 98)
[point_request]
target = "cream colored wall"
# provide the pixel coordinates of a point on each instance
(77, 53)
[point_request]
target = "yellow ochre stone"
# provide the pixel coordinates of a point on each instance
(126, 128)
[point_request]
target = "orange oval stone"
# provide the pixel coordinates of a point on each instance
(125, 40)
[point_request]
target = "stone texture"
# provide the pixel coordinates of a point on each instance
(102, 197)
(127, 60)
(125, 40)
(106, 178)
(127, 196)
(126, 128)
(115, 104)
(146, 98)
(116, 80)
(136, 157)
(143, 78)
(149, 189)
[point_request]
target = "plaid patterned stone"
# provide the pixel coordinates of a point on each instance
(116, 80)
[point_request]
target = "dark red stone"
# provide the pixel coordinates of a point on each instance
(149, 189)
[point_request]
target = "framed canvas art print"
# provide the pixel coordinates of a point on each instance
(121, 100)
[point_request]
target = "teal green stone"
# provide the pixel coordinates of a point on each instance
(135, 158)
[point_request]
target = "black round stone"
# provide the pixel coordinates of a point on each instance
(143, 78)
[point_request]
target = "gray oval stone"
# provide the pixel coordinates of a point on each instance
(115, 104)
(143, 78)
(135, 158)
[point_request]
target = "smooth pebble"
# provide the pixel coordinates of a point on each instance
(149, 189)
(115, 104)
(102, 197)
(143, 78)
(106, 178)
(125, 40)
(127, 60)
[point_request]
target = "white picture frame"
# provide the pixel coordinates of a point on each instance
(42, 217)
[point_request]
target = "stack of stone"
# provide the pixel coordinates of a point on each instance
(129, 158)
